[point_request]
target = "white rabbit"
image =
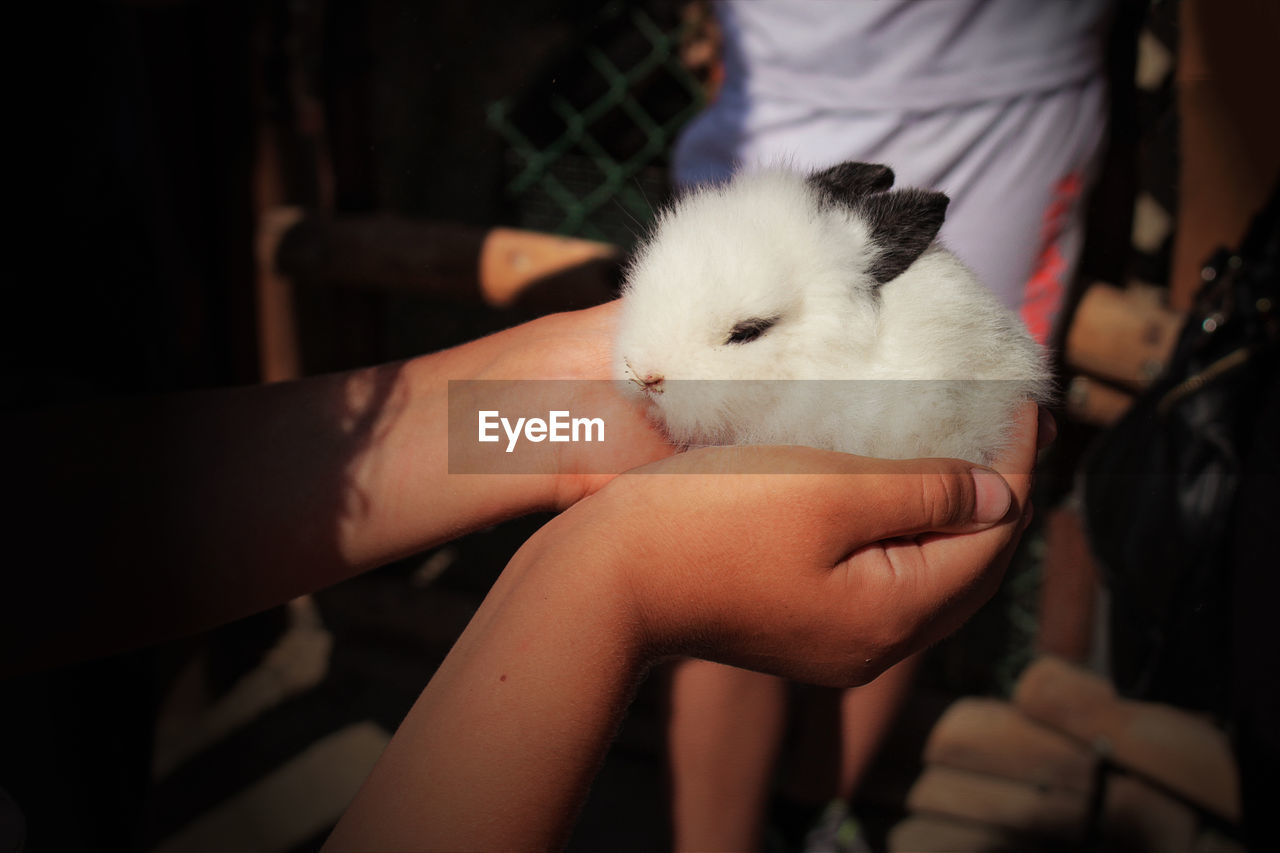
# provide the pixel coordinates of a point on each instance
(779, 277)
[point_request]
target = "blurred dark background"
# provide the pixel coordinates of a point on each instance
(156, 143)
(217, 193)
(157, 135)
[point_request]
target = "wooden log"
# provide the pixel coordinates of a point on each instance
(384, 252)
(993, 737)
(461, 263)
(1175, 749)
(934, 834)
(1137, 818)
(1123, 336)
(1027, 809)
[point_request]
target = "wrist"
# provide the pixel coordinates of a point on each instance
(500, 749)
(399, 480)
(574, 346)
(564, 361)
(606, 570)
(570, 563)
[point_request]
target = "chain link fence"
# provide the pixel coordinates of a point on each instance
(587, 148)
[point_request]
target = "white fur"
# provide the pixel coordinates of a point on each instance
(763, 246)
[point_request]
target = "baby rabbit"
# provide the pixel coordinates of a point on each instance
(857, 330)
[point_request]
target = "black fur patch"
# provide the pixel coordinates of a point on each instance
(903, 223)
(847, 182)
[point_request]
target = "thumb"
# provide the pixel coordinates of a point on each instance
(992, 497)
(939, 496)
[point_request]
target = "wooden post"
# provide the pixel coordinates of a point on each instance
(465, 264)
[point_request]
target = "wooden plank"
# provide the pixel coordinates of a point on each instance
(934, 834)
(1028, 809)
(1137, 818)
(1174, 748)
(993, 737)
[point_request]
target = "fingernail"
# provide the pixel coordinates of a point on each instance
(992, 496)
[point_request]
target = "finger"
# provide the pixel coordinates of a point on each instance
(935, 582)
(915, 496)
(867, 499)
(957, 576)
(944, 577)
(956, 562)
(864, 499)
(949, 576)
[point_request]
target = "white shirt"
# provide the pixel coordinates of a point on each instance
(999, 103)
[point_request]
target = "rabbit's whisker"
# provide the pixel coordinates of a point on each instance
(635, 375)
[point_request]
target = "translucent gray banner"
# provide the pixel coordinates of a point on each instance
(606, 427)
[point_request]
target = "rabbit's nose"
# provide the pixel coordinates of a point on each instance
(652, 381)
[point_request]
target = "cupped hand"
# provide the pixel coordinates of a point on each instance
(818, 566)
(578, 346)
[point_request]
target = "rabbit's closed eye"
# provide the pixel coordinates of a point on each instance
(748, 330)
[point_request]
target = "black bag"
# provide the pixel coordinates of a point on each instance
(1160, 486)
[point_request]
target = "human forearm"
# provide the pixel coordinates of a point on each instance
(148, 518)
(499, 750)
(143, 519)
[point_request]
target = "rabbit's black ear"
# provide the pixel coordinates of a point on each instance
(847, 182)
(903, 223)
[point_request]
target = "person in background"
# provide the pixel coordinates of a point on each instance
(999, 103)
